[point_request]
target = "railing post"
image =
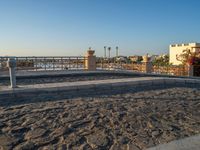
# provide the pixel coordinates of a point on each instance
(53, 63)
(190, 70)
(11, 64)
(147, 64)
(90, 63)
(102, 63)
(35, 64)
(45, 67)
(62, 64)
(77, 63)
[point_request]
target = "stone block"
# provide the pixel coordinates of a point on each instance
(159, 82)
(169, 81)
(180, 82)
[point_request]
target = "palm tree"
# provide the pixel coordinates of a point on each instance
(109, 49)
(104, 51)
(117, 51)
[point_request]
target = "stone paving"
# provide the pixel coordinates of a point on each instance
(44, 80)
(130, 121)
(190, 143)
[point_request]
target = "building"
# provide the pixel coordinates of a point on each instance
(121, 58)
(153, 57)
(135, 58)
(177, 49)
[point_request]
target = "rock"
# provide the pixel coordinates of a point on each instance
(175, 128)
(155, 133)
(2, 124)
(30, 120)
(18, 130)
(109, 106)
(117, 146)
(60, 131)
(38, 132)
(85, 147)
(124, 140)
(74, 140)
(132, 146)
(48, 147)
(25, 146)
(121, 114)
(62, 147)
(7, 142)
(99, 139)
(40, 141)
(80, 123)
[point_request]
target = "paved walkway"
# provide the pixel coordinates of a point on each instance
(79, 84)
(190, 143)
(30, 74)
(41, 73)
(68, 72)
(90, 84)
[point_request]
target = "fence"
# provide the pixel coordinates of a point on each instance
(45, 63)
(181, 70)
(106, 64)
(78, 63)
(171, 70)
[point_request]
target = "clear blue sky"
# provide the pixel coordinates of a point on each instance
(69, 27)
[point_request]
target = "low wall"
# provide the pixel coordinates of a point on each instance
(58, 91)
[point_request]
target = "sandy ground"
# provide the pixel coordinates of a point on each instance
(129, 121)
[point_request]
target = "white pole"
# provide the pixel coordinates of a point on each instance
(11, 64)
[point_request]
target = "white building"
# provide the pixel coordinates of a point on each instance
(177, 49)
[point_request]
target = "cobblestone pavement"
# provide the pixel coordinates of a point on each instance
(131, 121)
(43, 80)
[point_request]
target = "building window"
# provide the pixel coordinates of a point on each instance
(186, 44)
(179, 44)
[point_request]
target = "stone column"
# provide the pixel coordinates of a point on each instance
(147, 64)
(190, 70)
(11, 64)
(90, 62)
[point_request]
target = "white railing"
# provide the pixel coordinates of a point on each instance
(46, 63)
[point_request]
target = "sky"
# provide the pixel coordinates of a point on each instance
(70, 27)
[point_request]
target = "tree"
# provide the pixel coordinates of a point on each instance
(117, 51)
(104, 51)
(189, 57)
(109, 49)
(161, 61)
